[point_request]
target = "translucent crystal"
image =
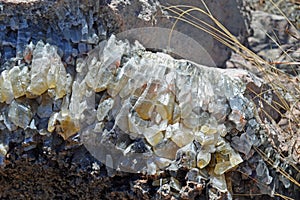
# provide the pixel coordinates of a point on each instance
(170, 105)
(57, 78)
(63, 124)
(235, 158)
(186, 156)
(203, 158)
(3, 152)
(238, 118)
(155, 139)
(222, 166)
(219, 182)
(206, 139)
(174, 184)
(180, 135)
(219, 109)
(166, 149)
(6, 88)
(104, 108)
(39, 69)
(20, 114)
(20, 80)
(242, 143)
(7, 122)
(47, 71)
(193, 121)
(162, 162)
(226, 157)
(262, 171)
(286, 182)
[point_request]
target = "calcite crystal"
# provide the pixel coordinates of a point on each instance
(46, 76)
(135, 110)
(20, 114)
(46, 73)
(139, 111)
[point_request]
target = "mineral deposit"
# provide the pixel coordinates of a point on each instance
(139, 111)
(133, 110)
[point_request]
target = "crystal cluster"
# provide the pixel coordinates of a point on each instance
(135, 110)
(46, 73)
(73, 26)
(140, 111)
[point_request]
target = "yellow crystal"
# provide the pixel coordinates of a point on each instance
(6, 88)
(222, 167)
(180, 135)
(155, 139)
(203, 159)
(63, 125)
(20, 80)
(144, 109)
(38, 79)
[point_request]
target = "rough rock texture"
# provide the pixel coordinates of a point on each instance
(73, 26)
(290, 8)
(38, 164)
(273, 30)
(137, 14)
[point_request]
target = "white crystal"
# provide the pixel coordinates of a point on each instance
(20, 114)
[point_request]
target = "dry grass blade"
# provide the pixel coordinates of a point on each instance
(271, 162)
(269, 70)
(282, 13)
(263, 185)
(225, 37)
